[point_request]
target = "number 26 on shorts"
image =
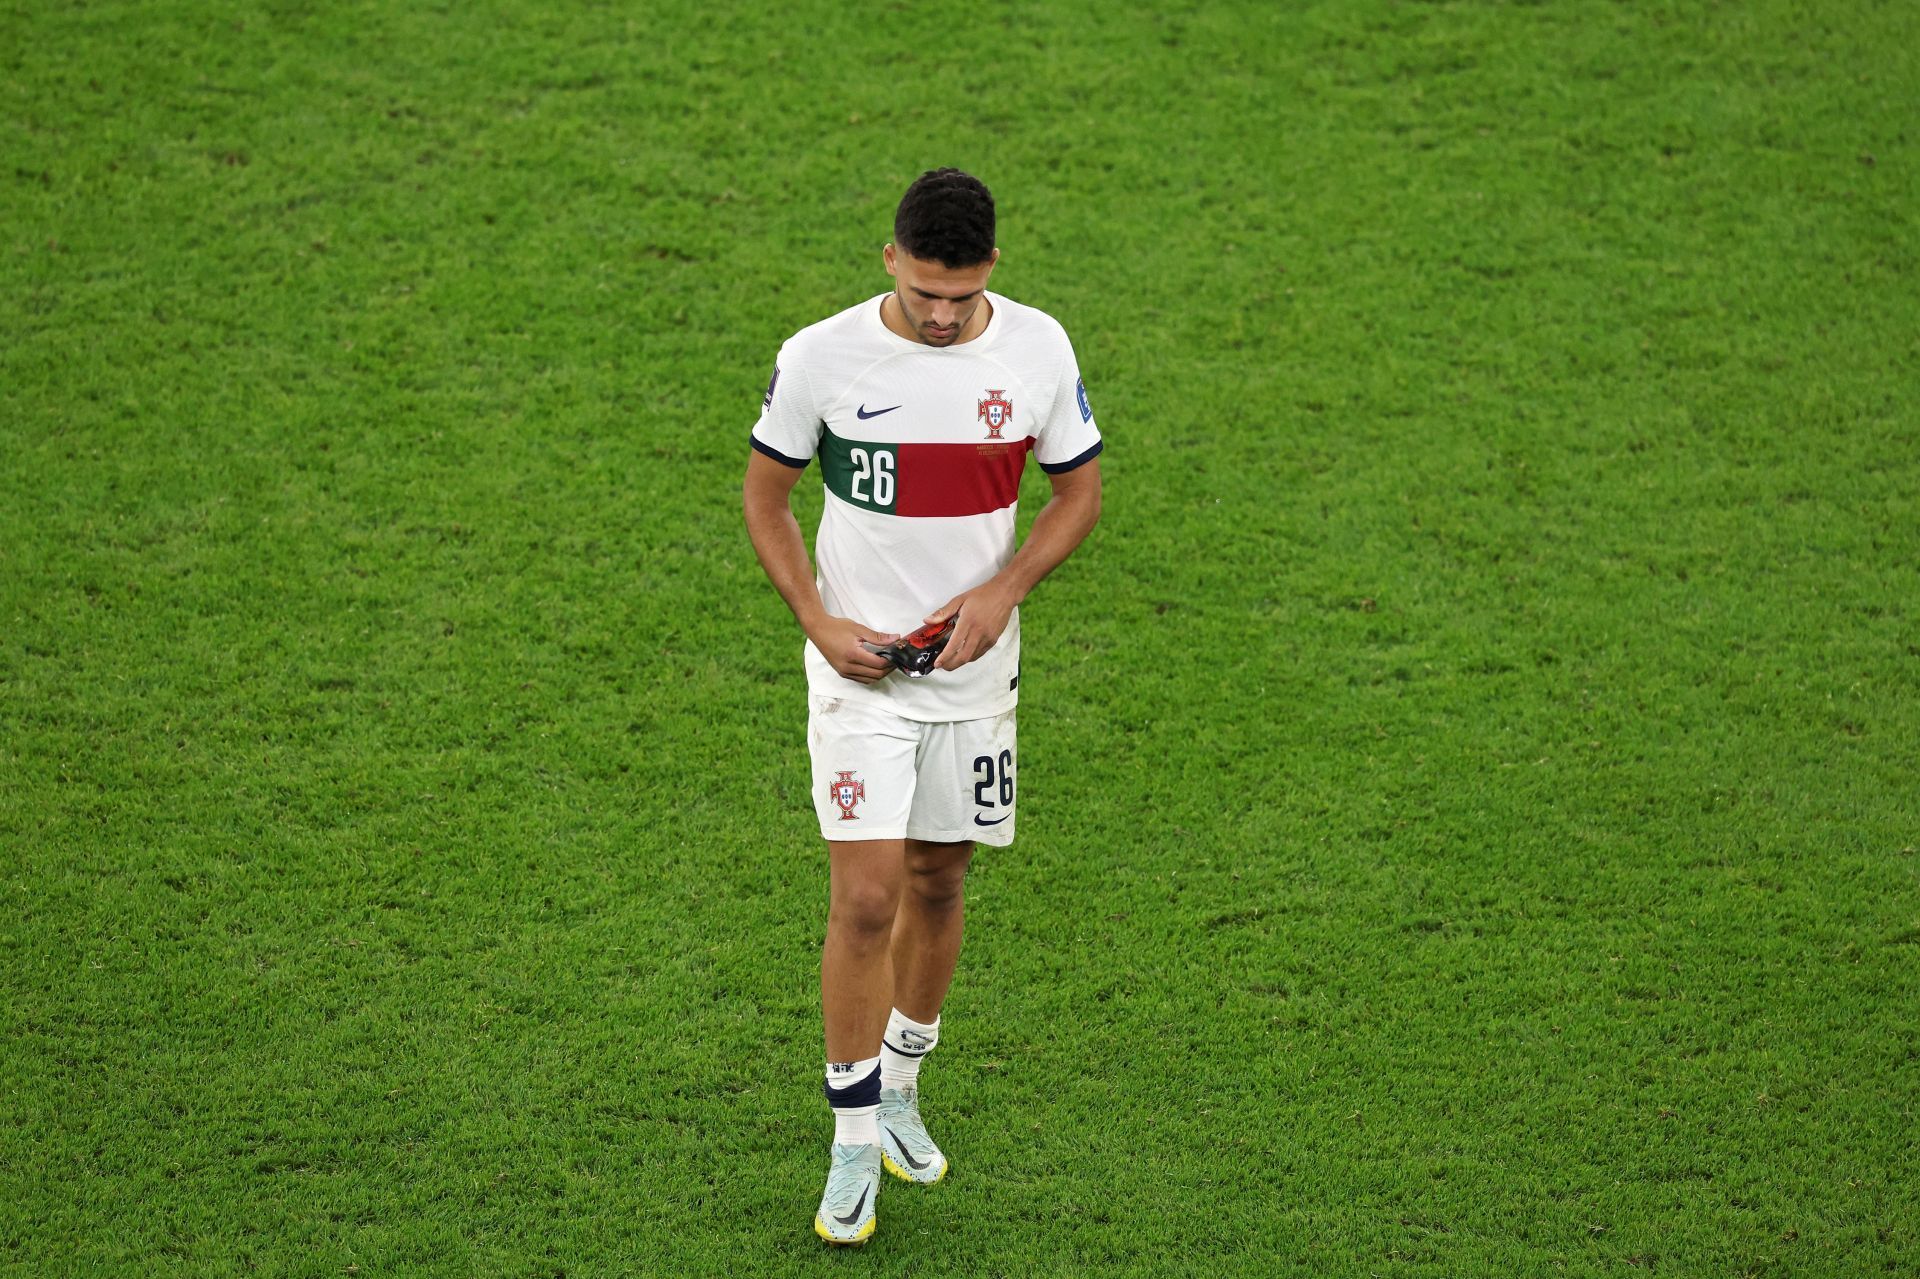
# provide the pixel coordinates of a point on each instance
(993, 778)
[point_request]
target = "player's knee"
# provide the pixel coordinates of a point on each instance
(863, 912)
(937, 885)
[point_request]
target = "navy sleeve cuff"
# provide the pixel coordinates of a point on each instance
(1061, 468)
(797, 463)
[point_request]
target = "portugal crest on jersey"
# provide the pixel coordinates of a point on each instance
(845, 792)
(996, 411)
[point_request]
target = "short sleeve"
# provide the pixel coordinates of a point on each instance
(1069, 437)
(789, 427)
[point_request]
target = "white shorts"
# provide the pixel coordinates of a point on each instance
(877, 776)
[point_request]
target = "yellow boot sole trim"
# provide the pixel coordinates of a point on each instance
(866, 1232)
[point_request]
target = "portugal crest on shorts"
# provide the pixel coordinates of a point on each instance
(845, 793)
(996, 411)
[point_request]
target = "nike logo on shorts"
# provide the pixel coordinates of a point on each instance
(978, 820)
(863, 415)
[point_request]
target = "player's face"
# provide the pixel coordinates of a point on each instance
(938, 305)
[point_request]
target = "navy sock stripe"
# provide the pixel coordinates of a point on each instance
(864, 1093)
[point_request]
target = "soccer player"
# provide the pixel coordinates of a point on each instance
(922, 404)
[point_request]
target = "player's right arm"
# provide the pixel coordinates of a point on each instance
(765, 499)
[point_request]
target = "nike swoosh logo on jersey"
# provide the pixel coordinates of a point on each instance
(905, 1154)
(863, 415)
(981, 821)
(853, 1216)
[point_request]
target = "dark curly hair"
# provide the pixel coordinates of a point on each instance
(946, 216)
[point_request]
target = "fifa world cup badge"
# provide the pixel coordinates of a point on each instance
(996, 411)
(845, 792)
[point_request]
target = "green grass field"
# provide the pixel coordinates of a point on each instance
(1470, 776)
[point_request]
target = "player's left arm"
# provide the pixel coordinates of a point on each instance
(1063, 523)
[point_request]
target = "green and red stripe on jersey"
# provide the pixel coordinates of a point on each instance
(923, 480)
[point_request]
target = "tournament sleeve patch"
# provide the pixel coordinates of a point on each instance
(774, 381)
(1079, 393)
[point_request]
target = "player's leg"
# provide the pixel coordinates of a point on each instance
(863, 773)
(863, 787)
(926, 945)
(928, 925)
(856, 989)
(856, 963)
(964, 793)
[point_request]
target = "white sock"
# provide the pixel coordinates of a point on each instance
(853, 1090)
(906, 1042)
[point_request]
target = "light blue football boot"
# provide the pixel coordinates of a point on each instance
(908, 1151)
(853, 1183)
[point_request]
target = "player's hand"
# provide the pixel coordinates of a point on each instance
(981, 615)
(839, 641)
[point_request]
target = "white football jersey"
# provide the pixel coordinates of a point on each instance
(921, 449)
